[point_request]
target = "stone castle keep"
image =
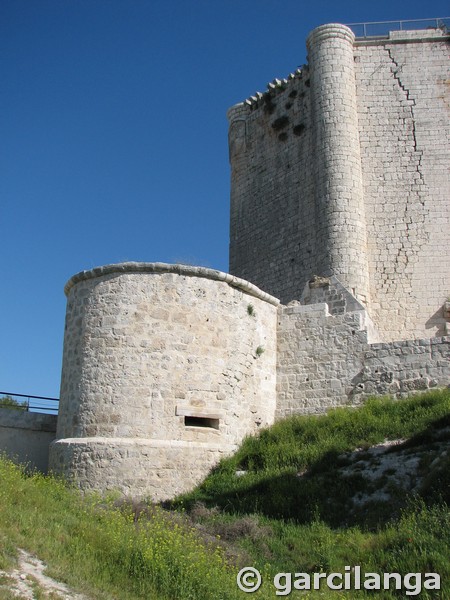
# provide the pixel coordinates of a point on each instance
(338, 286)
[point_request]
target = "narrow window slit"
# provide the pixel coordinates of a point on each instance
(201, 422)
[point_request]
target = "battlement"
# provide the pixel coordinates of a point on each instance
(316, 157)
(363, 34)
(273, 87)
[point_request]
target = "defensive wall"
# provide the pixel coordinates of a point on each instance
(340, 213)
(342, 169)
(165, 369)
(329, 354)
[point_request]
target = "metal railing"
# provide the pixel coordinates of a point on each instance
(376, 29)
(41, 404)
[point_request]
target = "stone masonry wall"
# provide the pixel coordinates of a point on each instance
(404, 367)
(273, 215)
(296, 186)
(165, 368)
(329, 290)
(339, 207)
(325, 360)
(26, 436)
(153, 469)
(342, 169)
(338, 188)
(404, 121)
(319, 354)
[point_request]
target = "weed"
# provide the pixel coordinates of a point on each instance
(314, 446)
(292, 510)
(124, 552)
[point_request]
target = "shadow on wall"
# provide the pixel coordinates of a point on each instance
(443, 327)
(25, 437)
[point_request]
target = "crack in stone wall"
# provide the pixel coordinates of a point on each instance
(405, 183)
(412, 103)
(396, 71)
(166, 368)
(284, 229)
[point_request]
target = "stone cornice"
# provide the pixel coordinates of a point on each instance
(178, 269)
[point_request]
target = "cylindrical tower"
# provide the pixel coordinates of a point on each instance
(237, 141)
(341, 227)
(161, 375)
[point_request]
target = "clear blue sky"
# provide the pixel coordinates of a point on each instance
(114, 140)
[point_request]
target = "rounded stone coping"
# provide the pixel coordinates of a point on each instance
(330, 30)
(157, 268)
(144, 442)
(239, 110)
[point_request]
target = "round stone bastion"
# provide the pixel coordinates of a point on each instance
(166, 368)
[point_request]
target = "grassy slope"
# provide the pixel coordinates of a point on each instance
(101, 550)
(293, 508)
(289, 512)
(291, 470)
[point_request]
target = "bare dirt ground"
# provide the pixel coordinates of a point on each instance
(28, 582)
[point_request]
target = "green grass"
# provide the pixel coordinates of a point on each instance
(312, 447)
(106, 551)
(417, 542)
(290, 512)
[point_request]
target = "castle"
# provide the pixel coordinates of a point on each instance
(338, 286)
